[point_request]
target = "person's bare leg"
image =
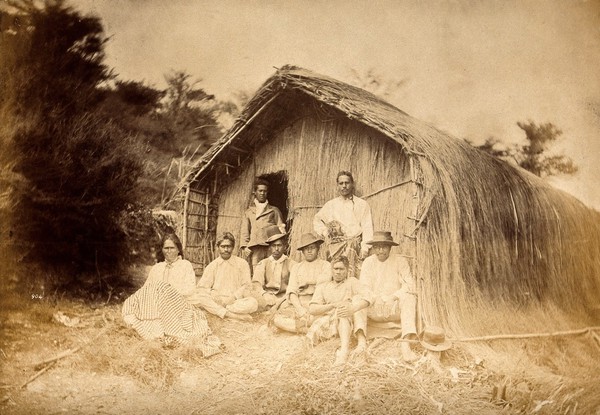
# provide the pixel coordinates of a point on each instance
(362, 340)
(407, 354)
(360, 352)
(344, 330)
(285, 323)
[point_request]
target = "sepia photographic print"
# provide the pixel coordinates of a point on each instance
(299, 207)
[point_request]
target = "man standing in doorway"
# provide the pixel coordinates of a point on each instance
(346, 223)
(257, 217)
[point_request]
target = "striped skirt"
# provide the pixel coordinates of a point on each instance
(158, 311)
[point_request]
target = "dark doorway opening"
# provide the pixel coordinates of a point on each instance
(278, 193)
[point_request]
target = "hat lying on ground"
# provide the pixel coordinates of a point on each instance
(382, 237)
(309, 238)
(434, 338)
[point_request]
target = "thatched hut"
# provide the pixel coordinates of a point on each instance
(484, 238)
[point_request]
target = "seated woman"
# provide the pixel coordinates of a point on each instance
(292, 314)
(161, 310)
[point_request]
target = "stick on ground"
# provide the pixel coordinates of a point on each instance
(68, 352)
(528, 335)
(36, 375)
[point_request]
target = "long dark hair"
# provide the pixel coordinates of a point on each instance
(169, 237)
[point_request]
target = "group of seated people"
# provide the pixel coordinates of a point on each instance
(314, 297)
(351, 295)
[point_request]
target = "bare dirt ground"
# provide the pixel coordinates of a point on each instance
(262, 371)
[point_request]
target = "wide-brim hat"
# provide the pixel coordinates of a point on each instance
(276, 237)
(263, 236)
(274, 233)
(382, 237)
(434, 338)
(309, 238)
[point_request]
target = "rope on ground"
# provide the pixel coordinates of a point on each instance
(530, 335)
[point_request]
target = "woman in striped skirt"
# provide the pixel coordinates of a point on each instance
(160, 309)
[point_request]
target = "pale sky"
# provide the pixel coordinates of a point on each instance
(471, 68)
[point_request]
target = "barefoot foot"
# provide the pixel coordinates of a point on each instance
(236, 316)
(407, 354)
(341, 357)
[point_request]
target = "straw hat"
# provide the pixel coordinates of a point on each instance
(434, 338)
(309, 238)
(382, 237)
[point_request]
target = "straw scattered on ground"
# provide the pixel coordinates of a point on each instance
(262, 371)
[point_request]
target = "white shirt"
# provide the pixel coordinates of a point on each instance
(226, 277)
(306, 275)
(387, 278)
(179, 274)
(260, 207)
(354, 214)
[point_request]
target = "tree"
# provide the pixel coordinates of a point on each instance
(174, 127)
(189, 113)
(184, 98)
(535, 155)
(78, 169)
(371, 80)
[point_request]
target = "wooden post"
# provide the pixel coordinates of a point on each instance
(185, 215)
(205, 237)
(415, 246)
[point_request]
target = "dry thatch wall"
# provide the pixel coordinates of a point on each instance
(500, 239)
(312, 152)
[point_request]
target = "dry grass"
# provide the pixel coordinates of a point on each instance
(262, 371)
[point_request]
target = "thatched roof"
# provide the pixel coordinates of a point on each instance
(494, 233)
(355, 103)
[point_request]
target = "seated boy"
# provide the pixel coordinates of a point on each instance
(342, 304)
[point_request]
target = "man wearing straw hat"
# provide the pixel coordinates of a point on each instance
(392, 289)
(272, 274)
(346, 222)
(292, 315)
(256, 218)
